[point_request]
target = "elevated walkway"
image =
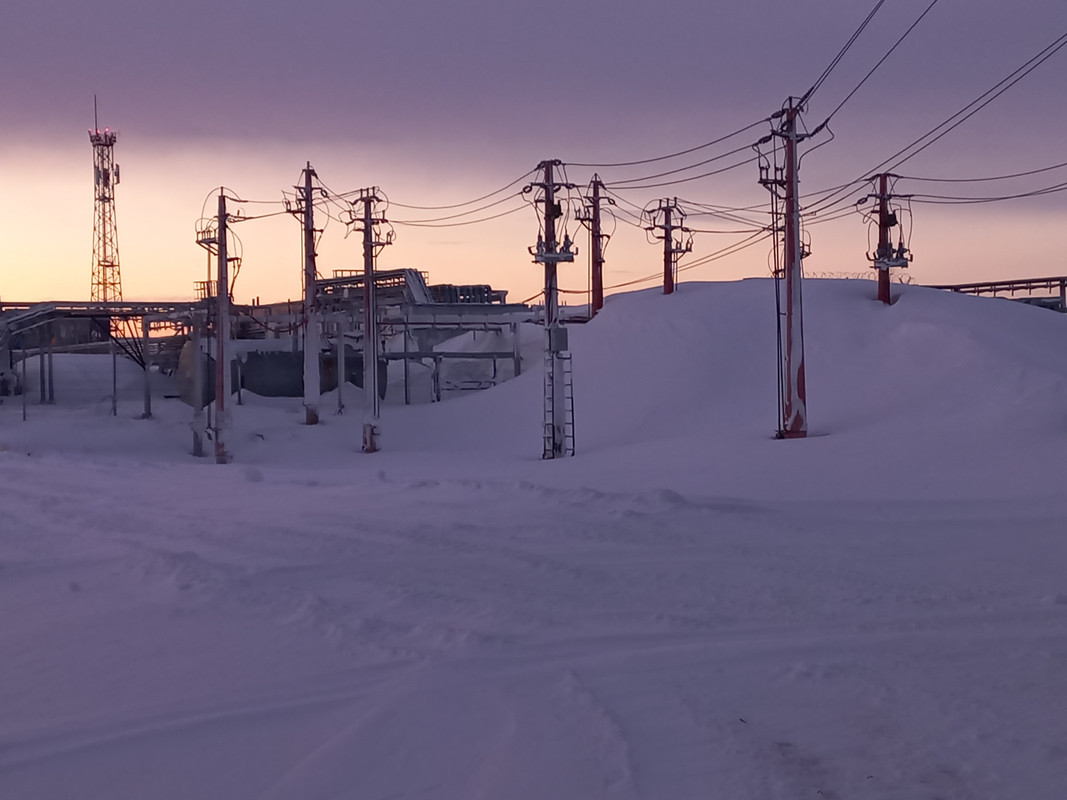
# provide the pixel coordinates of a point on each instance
(1048, 292)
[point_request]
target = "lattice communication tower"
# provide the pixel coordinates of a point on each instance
(107, 280)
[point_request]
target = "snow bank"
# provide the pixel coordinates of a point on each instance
(687, 609)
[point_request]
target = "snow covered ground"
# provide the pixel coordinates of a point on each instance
(687, 609)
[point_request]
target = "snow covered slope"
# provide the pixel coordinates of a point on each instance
(688, 609)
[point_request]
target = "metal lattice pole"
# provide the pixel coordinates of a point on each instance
(106, 279)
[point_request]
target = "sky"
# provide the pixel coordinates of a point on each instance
(439, 102)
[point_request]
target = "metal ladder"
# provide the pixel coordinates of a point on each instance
(549, 433)
(568, 410)
(553, 446)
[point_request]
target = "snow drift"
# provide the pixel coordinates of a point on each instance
(687, 609)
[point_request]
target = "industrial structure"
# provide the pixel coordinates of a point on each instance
(354, 326)
(106, 276)
(558, 423)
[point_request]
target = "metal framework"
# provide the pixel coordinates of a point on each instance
(107, 279)
(1057, 283)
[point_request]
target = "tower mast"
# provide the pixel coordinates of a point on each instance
(106, 278)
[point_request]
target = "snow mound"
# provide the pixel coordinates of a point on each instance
(936, 395)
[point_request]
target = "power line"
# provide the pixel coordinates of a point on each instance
(693, 177)
(686, 152)
(744, 230)
(523, 207)
(830, 68)
(501, 201)
(1049, 168)
(938, 199)
(719, 157)
(729, 250)
(952, 122)
(504, 188)
(999, 89)
(876, 66)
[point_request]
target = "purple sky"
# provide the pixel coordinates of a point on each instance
(433, 95)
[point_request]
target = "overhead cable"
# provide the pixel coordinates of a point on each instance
(504, 188)
(955, 200)
(735, 151)
(830, 68)
(680, 153)
(523, 207)
(880, 62)
(1049, 168)
(956, 119)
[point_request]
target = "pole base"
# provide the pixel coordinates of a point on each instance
(370, 437)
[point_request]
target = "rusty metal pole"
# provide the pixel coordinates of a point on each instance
(597, 263)
(883, 251)
(668, 250)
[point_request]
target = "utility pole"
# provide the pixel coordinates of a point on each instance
(886, 256)
(371, 344)
(312, 323)
(590, 215)
(668, 217)
(222, 335)
(558, 421)
(211, 236)
(793, 422)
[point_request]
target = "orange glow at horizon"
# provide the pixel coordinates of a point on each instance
(47, 251)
